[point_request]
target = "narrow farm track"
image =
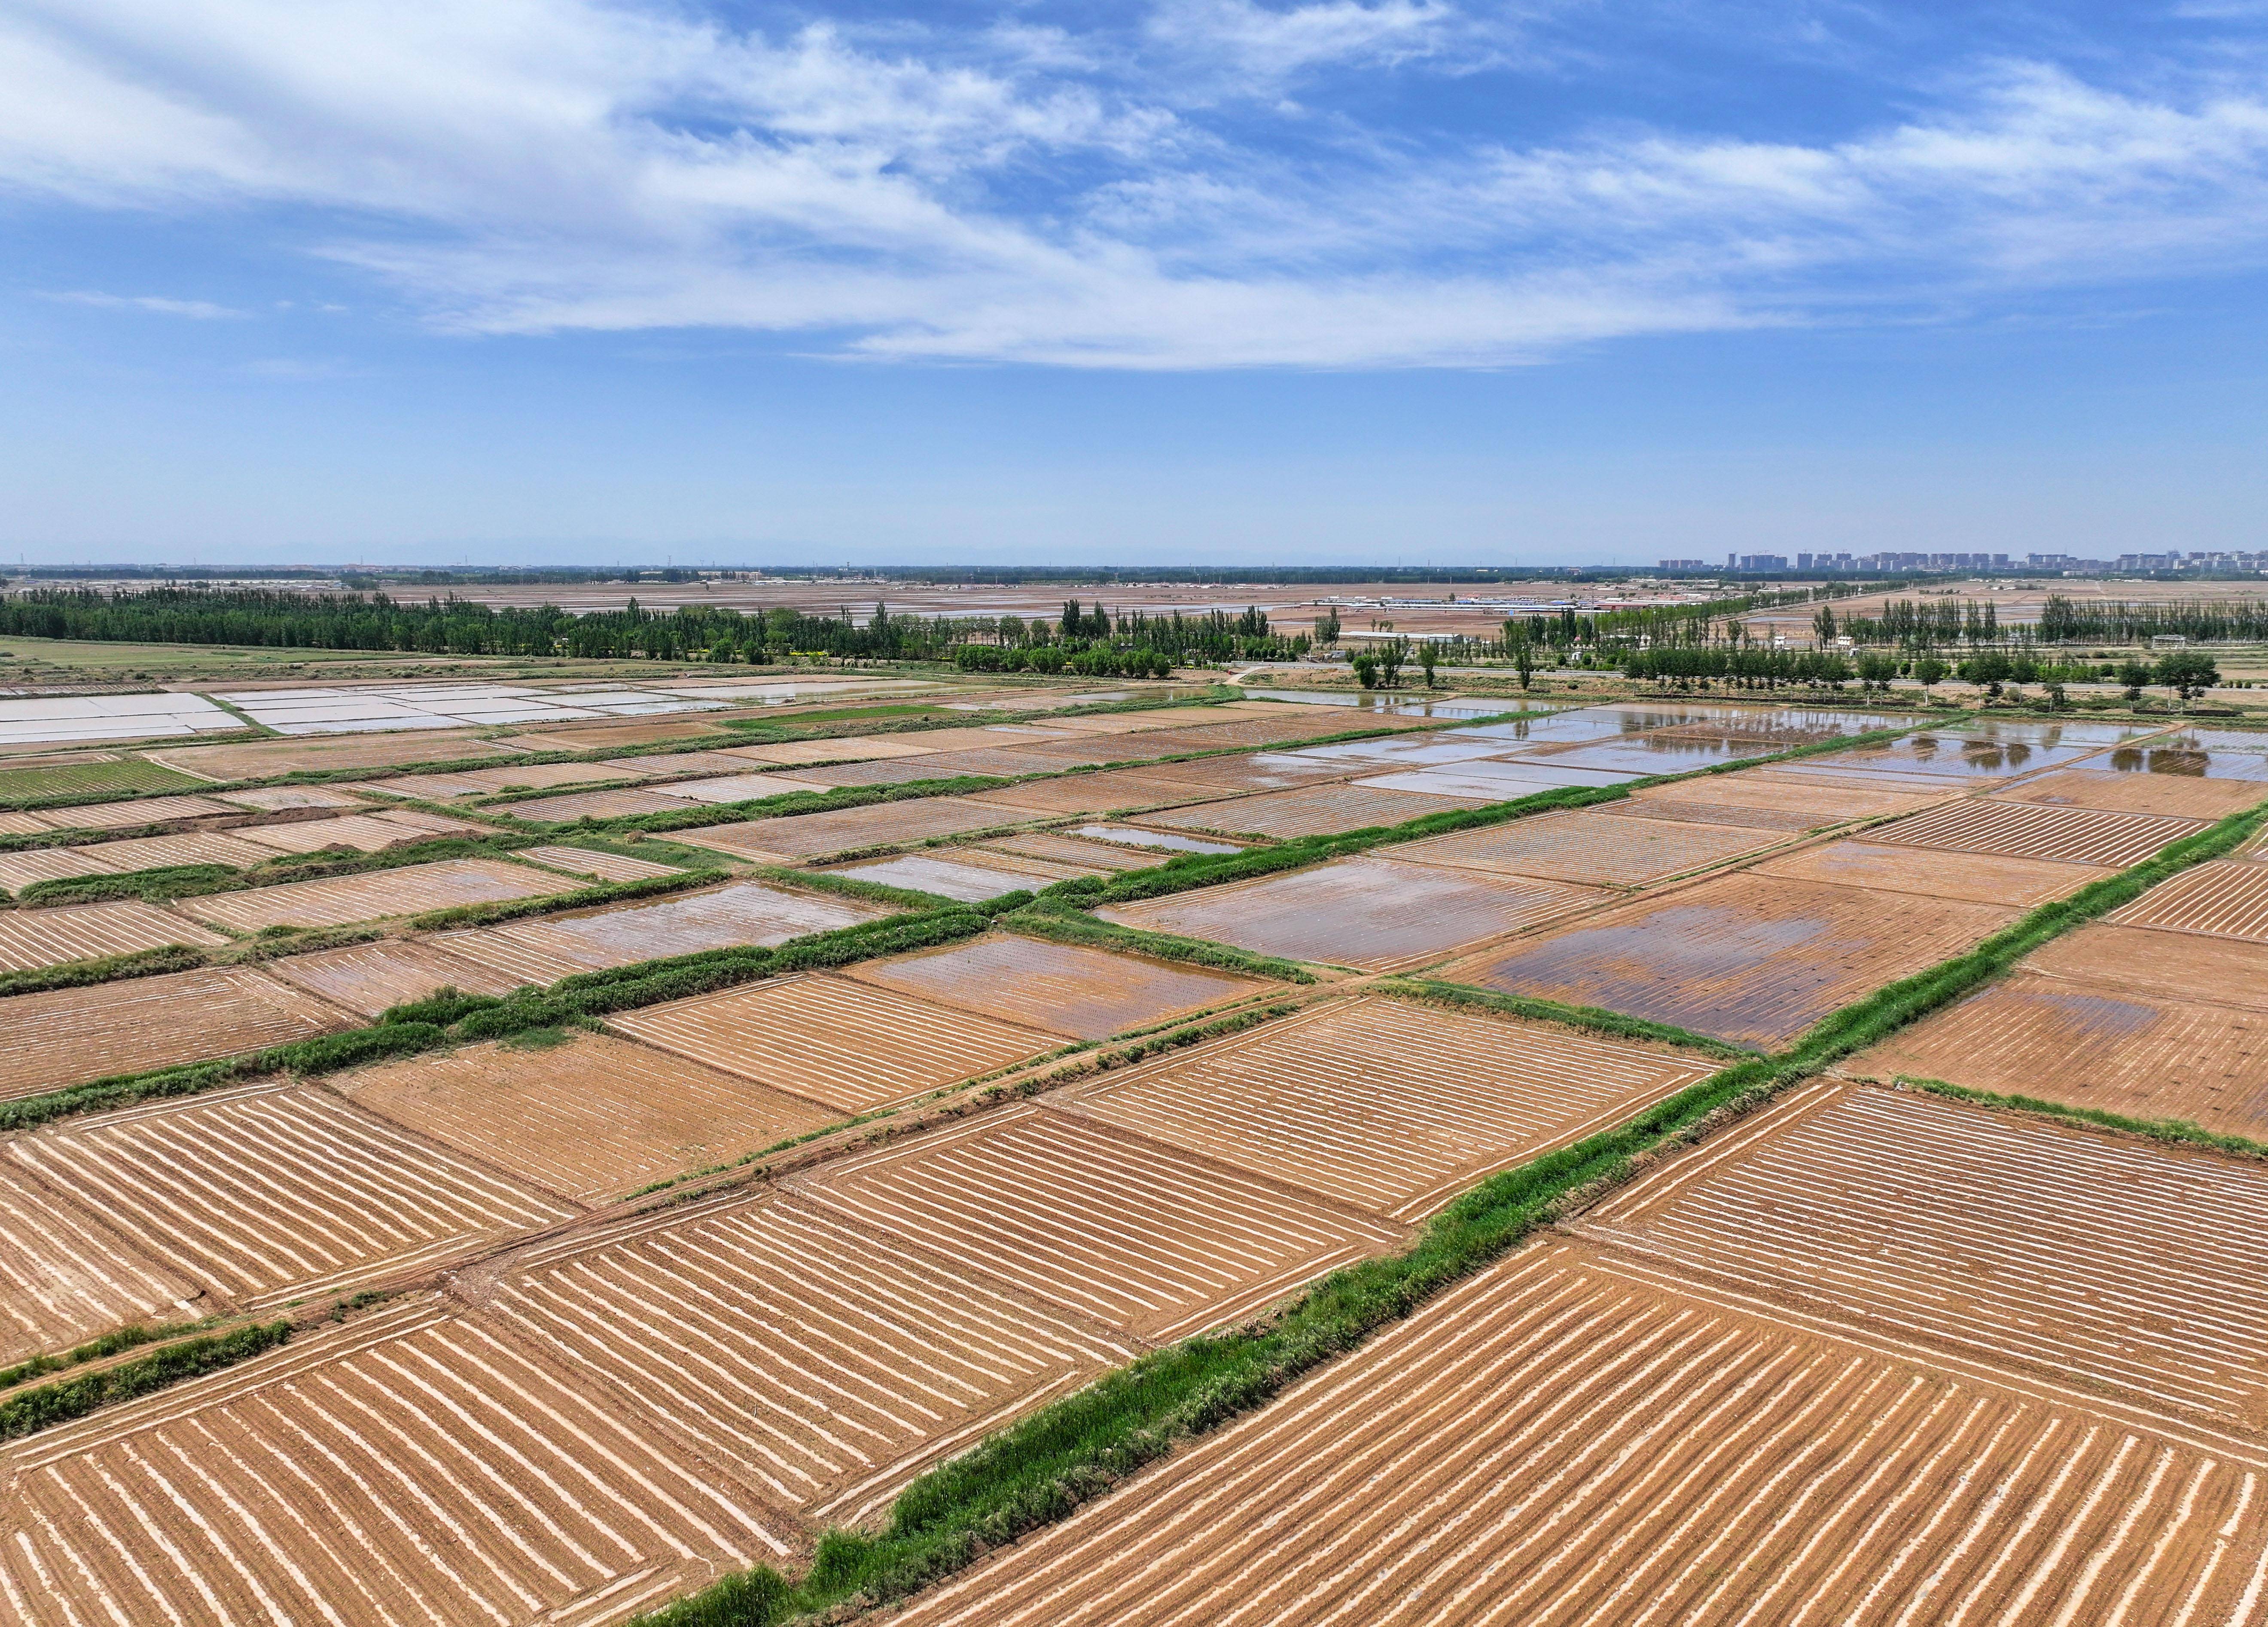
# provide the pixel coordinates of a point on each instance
(807, 1354)
(1549, 1445)
(1386, 1105)
(277, 1191)
(1135, 1234)
(2132, 1268)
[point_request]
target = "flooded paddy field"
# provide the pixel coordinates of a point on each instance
(1749, 959)
(544, 950)
(1060, 987)
(1310, 811)
(969, 874)
(1368, 912)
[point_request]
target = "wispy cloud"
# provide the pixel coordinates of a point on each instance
(195, 310)
(1120, 196)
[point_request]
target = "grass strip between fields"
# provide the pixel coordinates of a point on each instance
(1045, 918)
(2176, 1132)
(67, 1399)
(1591, 1018)
(1042, 1468)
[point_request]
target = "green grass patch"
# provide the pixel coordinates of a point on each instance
(89, 782)
(2176, 1132)
(152, 885)
(1064, 926)
(51, 1405)
(131, 1336)
(109, 968)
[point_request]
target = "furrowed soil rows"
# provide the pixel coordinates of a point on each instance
(2138, 793)
(2072, 835)
(2226, 898)
(365, 833)
(747, 912)
(71, 779)
(819, 1362)
(1061, 987)
(1585, 846)
(335, 900)
(368, 978)
(2124, 1264)
(1137, 1235)
(842, 1044)
(593, 805)
(262, 759)
(602, 866)
(277, 1191)
(882, 824)
(67, 1036)
(1777, 793)
(275, 799)
(18, 871)
(1075, 853)
(1311, 811)
(962, 873)
(1267, 771)
(2142, 962)
(1106, 792)
(126, 815)
(850, 748)
(1980, 877)
(1750, 959)
(1366, 912)
(65, 1276)
(1391, 1107)
(404, 1468)
(610, 736)
(35, 937)
(196, 847)
(1565, 1440)
(591, 1119)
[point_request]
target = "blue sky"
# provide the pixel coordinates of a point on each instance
(528, 280)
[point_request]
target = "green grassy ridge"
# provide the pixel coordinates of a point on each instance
(552, 903)
(173, 881)
(2174, 1132)
(108, 968)
(132, 1336)
(1069, 927)
(1592, 1018)
(852, 887)
(1042, 1468)
(59, 1402)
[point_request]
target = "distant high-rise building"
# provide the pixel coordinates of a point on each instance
(1684, 565)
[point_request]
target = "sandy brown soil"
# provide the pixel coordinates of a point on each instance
(2075, 835)
(369, 978)
(259, 758)
(545, 950)
(1063, 988)
(1981, 878)
(335, 900)
(2226, 898)
(1590, 846)
(2138, 793)
(822, 835)
(34, 937)
(1311, 811)
(67, 1036)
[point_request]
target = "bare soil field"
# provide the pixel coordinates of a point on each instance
(335, 900)
(66, 1277)
(18, 871)
(13, 824)
(616, 736)
(848, 748)
(882, 824)
(35, 937)
(407, 1468)
(259, 758)
(277, 1191)
(906, 770)
(1312, 811)
(126, 815)
(1058, 988)
(593, 805)
(1388, 1106)
(2072, 835)
(1981, 878)
(2111, 1043)
(543, 775)
(1075, 853)
(961, 873)
(1781, 790)
(1588, 846)
(2151, 964)
(368, 978)
(744, 913)
(196, 847)
(1104, 792)
(810, 1358)
(1750, 959)
(67, 1036)
(1134, 1234)
(1251, 771)
(2225, 898)
(2120, 1264)
(365, 833)
(1566, 1441)
(601, 867)
(275, 799)
(846, 1045)
(2138, 793)
(1368, 912)
(591, 1119)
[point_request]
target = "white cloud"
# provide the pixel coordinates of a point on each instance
(1022, 193)
(196, 310)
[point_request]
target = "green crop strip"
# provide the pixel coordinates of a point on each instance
(59, 1402)
(109, 968)
(132, 1336)
(1040, 1469)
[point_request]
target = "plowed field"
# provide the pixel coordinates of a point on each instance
(275, 799)
(1782, 792)
(1135, 1234)
(1390, 1107)
(2175, 794)
(65, 1276)
(1745, 958)
(906, 770)
(365, 833)
(405, 1469)
(592, 1118)
(1564, 1440)
(2146, 963)
(126, 815)
(808, 1357)
(32, 937)
(1981, 878)
(2072, 835)
(1584, 845)
(1947, 1225)
(196, 847)
(1095, 857)
(1311, 811)
(2101, 1043)
(260, 759)
(67, 1036)
(277, 1191)
(1256, 771)
(2226, 898)
(1061, 988)
(334, 900)
(369, 978)
(958, 873)
(18, 871)
(746, 913)
(882, 824)
(601, 867)
(850, 748)
(1367, 912)
(1106, 792)
(842, 1044)
(593, 805)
